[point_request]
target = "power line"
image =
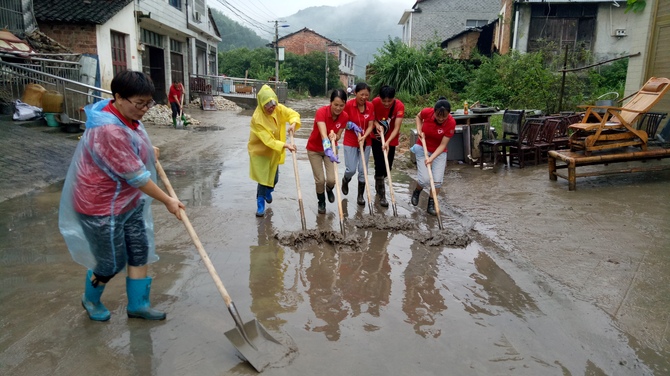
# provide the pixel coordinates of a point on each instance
(245, 18)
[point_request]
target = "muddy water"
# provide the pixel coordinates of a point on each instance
(394, 304)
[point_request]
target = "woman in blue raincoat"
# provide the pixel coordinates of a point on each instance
(105, 209)
(267, 141)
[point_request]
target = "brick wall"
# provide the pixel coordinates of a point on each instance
(303, 43)
(79, 38)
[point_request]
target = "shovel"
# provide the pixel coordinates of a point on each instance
(337, 185)
(251, 339)
(388, 173)
(180, 119)
(297, 185)
(433, 192)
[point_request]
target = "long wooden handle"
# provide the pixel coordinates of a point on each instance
(196, 240)
(365, 174)
(337, 189)
(433, 192)
(388, 169)
(297, 185)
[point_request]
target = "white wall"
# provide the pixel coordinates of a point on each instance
(609, 19)
(122, 22)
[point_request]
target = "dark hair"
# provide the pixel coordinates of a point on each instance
(130, 83)
(442, 107)
(338, 93)
(361, 86)
(387, 92)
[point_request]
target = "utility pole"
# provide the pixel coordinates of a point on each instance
(276, 45)
(326, 69)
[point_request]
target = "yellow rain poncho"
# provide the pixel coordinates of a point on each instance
(268, 136)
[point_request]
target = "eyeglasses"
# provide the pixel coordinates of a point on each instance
(140, 106)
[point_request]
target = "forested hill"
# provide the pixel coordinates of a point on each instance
(234, 35)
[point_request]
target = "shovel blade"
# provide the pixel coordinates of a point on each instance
(268, 350)
(180, 124)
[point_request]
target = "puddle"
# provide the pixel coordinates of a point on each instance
(208, 129)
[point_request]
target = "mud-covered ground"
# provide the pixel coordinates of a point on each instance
(527, 278)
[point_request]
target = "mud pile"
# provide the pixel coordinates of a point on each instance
(384, 223)
(442, 238)
(300, 239)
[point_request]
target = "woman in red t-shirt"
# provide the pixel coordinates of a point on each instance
(436, 126)
(389, 113)
(359, 127)
(175, 95)
(327, 120)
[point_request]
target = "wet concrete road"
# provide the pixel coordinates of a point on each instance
(553, 283)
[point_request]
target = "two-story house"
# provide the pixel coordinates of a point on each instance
(431, 20)
(307, 40)
(168, 40)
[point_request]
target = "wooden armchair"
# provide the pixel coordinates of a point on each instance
(616, 126)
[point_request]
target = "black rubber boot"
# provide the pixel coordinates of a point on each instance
(331, 194)
(381, 191)
(361, 191)
(345, 185)
(415, 197)
(322, 202)
(431, 207)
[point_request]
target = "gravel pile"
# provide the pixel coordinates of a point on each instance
(162, 114)
(221, 103)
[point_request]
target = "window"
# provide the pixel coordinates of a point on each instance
(476, 23)
(176, 3)
(151, 38)
(119, 60)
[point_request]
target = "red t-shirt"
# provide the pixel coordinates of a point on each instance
(435, 132)
(95, 189)
(175, 91)
(323, 114)
(382, 113)
(360, 118)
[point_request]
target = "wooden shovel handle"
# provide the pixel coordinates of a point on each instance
(194, 237)
(433, 192)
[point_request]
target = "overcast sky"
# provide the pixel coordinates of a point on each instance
(255, 14)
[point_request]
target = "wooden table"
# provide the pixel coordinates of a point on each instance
(574, 159)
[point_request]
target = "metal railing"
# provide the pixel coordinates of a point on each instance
(76, 95)
(219, 85)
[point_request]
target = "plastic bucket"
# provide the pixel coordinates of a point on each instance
(51, 119)
(33, 95)
(52, 101)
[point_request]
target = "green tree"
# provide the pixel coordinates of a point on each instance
(234, 35)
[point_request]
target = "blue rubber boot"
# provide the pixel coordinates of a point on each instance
(91, 300)
(268, 195)
(138, 300)
(261, 206)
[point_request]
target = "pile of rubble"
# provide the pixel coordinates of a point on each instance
(221, 103)
(162, 114)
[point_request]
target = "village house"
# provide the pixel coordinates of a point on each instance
(169, 41)
(307, 40)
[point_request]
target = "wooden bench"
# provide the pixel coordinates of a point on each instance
(573, 160)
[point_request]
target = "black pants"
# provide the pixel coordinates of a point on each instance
(175, 109)
(378, 155)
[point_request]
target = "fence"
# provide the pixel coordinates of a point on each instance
(76, 95)
(218, 85)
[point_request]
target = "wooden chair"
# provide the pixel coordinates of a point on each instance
(525, 147)
(649, 123)
(545, 137)
(561, 138)
(511, 125)
(615, 128)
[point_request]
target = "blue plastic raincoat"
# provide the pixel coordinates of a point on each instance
(110, 163)
(268, 136)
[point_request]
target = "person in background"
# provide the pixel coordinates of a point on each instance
(175, 95)
(437, 127)
(105, 209)
(320, 150)
(267, 141)
(389, 113)
(359, 127)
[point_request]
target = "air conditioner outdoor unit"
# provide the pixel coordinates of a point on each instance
(197, 16)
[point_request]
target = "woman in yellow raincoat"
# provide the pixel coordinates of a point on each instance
(267, 141)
